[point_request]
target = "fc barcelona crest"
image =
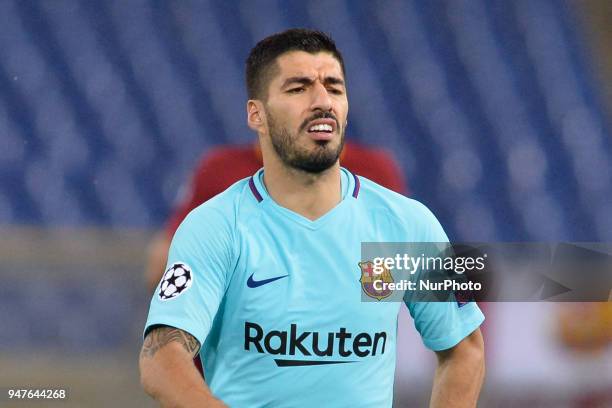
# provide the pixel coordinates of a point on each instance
(368, 277)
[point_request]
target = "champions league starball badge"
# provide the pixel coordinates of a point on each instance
(177, 279)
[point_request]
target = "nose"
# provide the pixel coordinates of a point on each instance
(321, 99)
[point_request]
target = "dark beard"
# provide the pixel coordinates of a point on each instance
(315, 162)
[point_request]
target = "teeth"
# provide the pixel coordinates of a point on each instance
(321, 128)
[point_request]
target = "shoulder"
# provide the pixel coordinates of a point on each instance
(221, 211)
(400, 210)
(378, 196)
(212, 230)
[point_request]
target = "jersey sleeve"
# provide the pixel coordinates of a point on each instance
(192, 287)
(442, 325)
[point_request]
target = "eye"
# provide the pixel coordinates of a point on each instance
(335, 91)
(296, 90)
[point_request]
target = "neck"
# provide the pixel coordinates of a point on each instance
(310, 195)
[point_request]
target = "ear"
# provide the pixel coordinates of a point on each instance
(255, 115)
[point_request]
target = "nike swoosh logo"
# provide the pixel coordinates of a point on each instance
(252, 283)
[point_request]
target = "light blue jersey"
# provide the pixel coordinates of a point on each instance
(275, 299)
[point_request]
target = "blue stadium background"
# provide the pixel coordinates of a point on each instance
(490, 106)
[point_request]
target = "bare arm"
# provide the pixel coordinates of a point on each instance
(167, 372)
(459, 374)
(157, 255)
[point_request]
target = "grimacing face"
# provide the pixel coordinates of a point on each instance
(306, 110)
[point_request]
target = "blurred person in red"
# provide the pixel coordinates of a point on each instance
(224, 165)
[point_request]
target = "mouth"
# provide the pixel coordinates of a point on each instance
(321, 129)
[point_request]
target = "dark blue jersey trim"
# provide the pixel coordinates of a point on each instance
(357, 186)
(254, 190)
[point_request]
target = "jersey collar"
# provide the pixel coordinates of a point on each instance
(350, 186)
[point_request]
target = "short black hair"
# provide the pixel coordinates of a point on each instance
(262, 58)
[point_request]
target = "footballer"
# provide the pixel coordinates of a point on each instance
(263, 280)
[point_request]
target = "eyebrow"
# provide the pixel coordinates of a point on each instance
(304, 80)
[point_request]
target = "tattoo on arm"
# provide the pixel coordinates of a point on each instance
(163, 335)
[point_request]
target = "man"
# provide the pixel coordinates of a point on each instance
(224, 165)
(262, 280)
